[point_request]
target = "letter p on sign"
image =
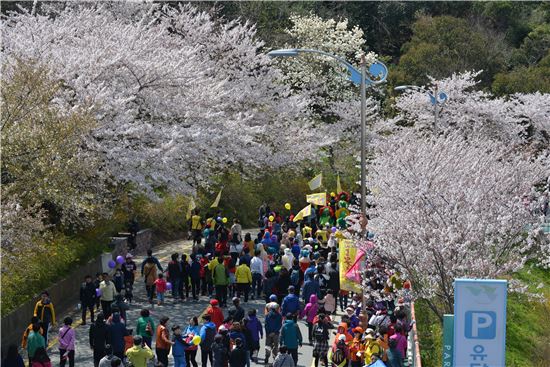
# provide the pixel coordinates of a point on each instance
(480, 325)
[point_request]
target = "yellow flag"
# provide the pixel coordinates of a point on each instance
(192, 206)
(317, 199)
(217, 200)
(347, 253)
(316, 182)
(305, 212)
(338, 186)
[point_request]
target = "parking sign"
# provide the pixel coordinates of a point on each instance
(480, 322)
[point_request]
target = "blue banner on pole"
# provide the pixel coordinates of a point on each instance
(480, 322)
(448, 331)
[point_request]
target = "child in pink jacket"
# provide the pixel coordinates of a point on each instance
(310, 311)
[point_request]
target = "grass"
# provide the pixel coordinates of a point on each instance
(527, 325)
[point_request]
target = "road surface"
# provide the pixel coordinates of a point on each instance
(179, 313)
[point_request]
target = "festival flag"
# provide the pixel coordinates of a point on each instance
(338, 185)
(316, 182)
(190, 209)
(217, 201)
(317, 199)
(348, 254)
(305, 212)
(354, 272)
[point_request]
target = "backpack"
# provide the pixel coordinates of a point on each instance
(295, 277)
(338, 357)
(208, 340)
(319, 333)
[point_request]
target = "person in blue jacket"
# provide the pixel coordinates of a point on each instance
(273, 324)
(311, 286)
(117, 332)
(291, 337)
(179, 347)
(291, 303)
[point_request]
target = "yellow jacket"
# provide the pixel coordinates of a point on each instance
(40, 308)
(371, 348)
(243, 274)
(139, 356)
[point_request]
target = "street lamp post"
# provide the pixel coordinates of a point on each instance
(377, 74)
(436, 98)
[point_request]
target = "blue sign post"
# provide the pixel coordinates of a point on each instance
(480, 322)
(448, 331)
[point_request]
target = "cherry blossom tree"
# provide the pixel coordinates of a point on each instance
(518, 119)
(178, 94)
(450, 206)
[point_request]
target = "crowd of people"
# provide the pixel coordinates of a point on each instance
(291, 266)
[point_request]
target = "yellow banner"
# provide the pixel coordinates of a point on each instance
(190, 209)
(317, 199)
(316, 182)
(306, 212)
(347, 254)
(338, 185)
(217, 200)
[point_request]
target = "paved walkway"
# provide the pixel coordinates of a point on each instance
(179, 313)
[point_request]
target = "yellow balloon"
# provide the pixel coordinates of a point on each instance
(287, 206)
(291, 234)
(271, 218)
(332, 194)
(196, 340)
(224, 220)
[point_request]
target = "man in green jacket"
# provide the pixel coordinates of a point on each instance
(34, 341)
(220, 278)
(138, 354)
(291, 337)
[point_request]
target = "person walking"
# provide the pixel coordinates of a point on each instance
(207, 334)
(273, 324)
(394, 356)
(117, 332)
(174, 275)
(236, 312)
(13, 358)
(41, 358)
(291, 337)
(283, 359)
(160, 287)
(220, 352)
(321, 337)
(290, 305)
(244, 280)
(34, 320)
(195, 276)
(256, 330)
(162, 341)
(184, 281)
(237, 357)
(107, 290)
(87, 298)
(220, 278)
(140, 353)
(145, 327)
(179, 347)
(66, 340)
(215, 313)
(149, 270)
(99, 338)
(311, 286)
(45, 311)
(191, 352)
(257, 270)
(310, 311)
(34, 342)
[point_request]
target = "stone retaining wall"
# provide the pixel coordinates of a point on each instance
(65, 293)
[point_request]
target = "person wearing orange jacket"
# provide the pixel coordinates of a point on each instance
(45, 311)
(343, 330)
(162, 341)
(356, 348)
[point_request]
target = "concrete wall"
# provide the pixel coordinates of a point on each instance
(65, 293)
